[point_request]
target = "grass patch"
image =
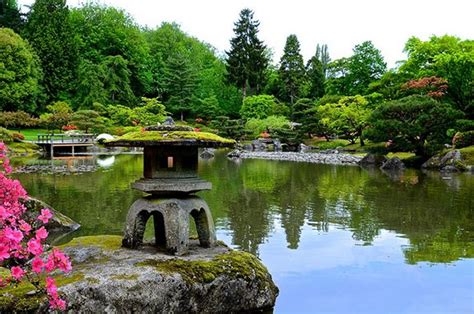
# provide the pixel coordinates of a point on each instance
(32, 134)
(401, 155)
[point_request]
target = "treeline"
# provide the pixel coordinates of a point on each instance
(98, 54)
(97, 58)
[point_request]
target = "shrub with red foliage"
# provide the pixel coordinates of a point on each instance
(432, 86)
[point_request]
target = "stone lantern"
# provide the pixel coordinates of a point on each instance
(170, 159)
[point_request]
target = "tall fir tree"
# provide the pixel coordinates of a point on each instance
(292, 71)
(10, 16)
(50, 33)
(180, 82)
(315, 74)
(116, 80)
(247, 59)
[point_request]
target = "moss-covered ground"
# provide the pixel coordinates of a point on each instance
(234, 264)
(107, 242)
(24, 298)
(467, 154)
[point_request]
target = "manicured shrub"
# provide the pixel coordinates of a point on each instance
(258, 126)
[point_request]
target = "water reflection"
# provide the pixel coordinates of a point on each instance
(335, 238)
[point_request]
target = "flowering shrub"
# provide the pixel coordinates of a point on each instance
(22, 240)
(17, 137)
(69, 127)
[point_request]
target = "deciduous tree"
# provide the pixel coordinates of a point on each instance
(49, 31)
(20, 73)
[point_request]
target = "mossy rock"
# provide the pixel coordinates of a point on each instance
(24, 298)
(233, 264)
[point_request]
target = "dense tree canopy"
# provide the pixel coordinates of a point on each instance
(50, 33)
(448, 57)
(10, 16)
(353, 75)
(110, 43)
(20, 73)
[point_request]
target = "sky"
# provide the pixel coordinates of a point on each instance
(341, 24)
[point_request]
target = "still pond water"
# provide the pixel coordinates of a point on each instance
(336, 239)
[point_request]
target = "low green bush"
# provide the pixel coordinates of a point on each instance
(257, 126)
(332, 144)
(6, 136)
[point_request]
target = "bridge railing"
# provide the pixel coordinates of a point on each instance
(63, 138)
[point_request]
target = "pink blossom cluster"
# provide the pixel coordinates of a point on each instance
(22, 240)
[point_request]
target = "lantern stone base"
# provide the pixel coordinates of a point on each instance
(171, 221)
(167, 186)
(109, 279)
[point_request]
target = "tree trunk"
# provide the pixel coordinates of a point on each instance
(361, 139)
(182, 116)
(244, 90)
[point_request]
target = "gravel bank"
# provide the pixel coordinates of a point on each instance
(318, 158)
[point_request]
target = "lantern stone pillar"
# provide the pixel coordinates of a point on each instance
(170, 177)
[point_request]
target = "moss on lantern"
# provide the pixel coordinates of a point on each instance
(171, 136)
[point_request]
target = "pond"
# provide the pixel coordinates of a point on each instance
(338, 239)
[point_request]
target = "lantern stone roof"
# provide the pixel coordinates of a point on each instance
(170, 135)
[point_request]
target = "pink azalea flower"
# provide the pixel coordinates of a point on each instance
(37, 265)
(13, 235)
(17, 272)
(35, 247)
(25, 227)
(51, 286)
(45, 215)
(41, 233)
(58, 259)
(4, 253)
(4, 214)
(61, 304)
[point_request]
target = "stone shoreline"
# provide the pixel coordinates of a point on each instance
(319, 158)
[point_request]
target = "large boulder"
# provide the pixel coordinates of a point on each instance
(57, 226)
(234, 154)
(207, 153)
(108, 278)
(372, 160)
(450, 162)
(393, 164)
(259, 145)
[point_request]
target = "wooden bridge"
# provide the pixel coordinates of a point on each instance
(65, 143)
